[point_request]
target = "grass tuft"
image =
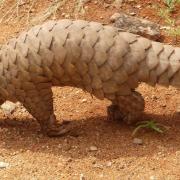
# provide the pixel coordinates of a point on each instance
(159, 128)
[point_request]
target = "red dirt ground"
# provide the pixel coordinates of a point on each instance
(33, 156)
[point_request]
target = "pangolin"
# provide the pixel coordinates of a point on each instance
(101, 59)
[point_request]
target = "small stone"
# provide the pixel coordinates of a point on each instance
(138, 6)
(106, 5)
(84, 100)
(63, 14)
(163, 105)
(67, 16)
(132, 13)
(32, 10)
(114, 17)
(3, 165)
(137, 141)
(109, 164)
(93, 148)
(81, 177)
(8, 107)
(152, 178)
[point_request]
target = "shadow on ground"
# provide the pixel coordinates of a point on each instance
(113, 139)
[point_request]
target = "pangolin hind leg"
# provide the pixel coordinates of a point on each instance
(127, 108)
(39, 103)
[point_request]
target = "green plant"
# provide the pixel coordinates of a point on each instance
(149, 125)
(170, 4)
(165, 14)
(174, 31)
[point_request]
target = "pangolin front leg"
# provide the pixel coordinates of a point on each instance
(39, 103)
(127, 108)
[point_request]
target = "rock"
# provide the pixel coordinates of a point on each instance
(138, 6)
(93, 148)
(109, 164)
(163, 105)
(3, 165)
(84, 100)
(106, 5)
(67, 16)
(137, 141)
(8, 107)
(152, 178)
(81, 177)
(132, 13)
(63, 14)
(114, 17)
(138, 26)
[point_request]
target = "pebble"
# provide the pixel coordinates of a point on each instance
(137, 141)
(8, 107)
(63, 14)
(106, 5)
(138, 6)
(93, 148)
(152, 178)
(3, 165)
(114, 17)
(84, 100)
(109, 164)
(163, 105)
(132, 13)
(81, 177)
(67, 16)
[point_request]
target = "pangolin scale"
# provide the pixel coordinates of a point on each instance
(100, 59)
